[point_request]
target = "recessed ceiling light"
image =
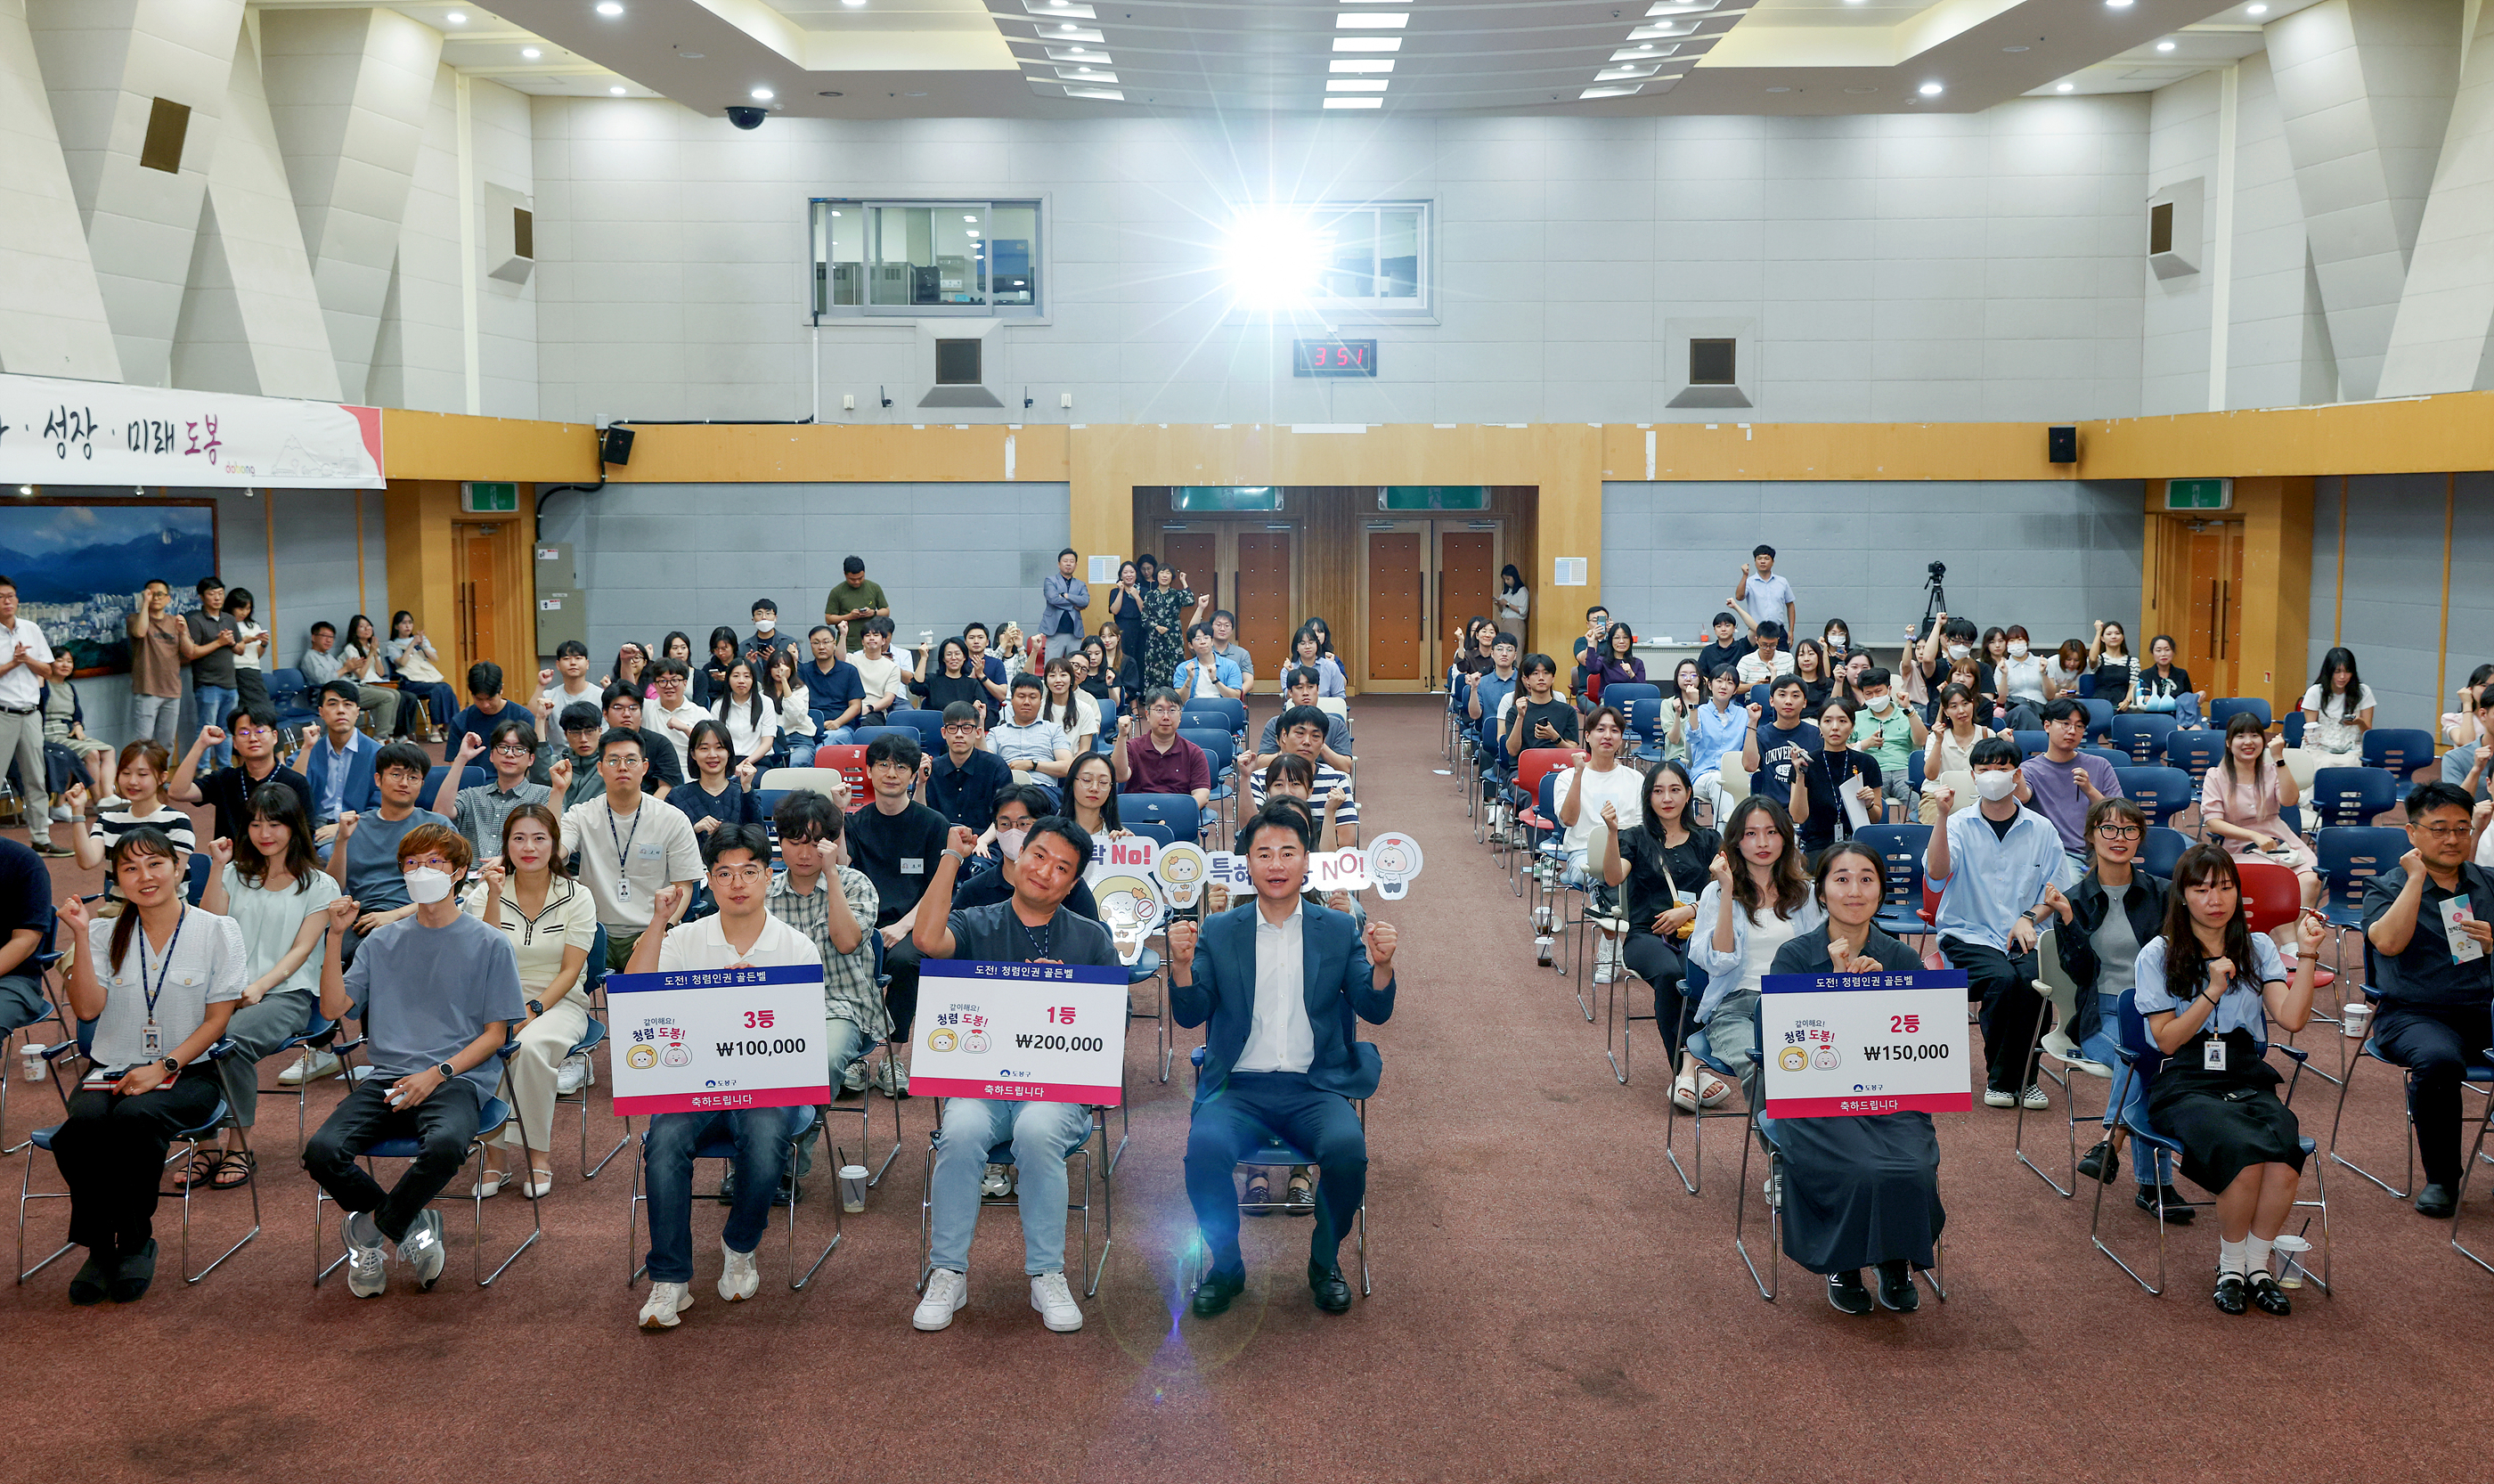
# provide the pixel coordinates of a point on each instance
(1362, 64)
(689, 56)
(2256, 9)
(967, 218)
(531, 52)
(1355, 103)
(1930, 90)
(2013, 49)
(852, 4)
(616, 91)
(2116, 5)
(2164, 45)
(457, 17)
(1779, 89)
(2066, 87)
(922, 94)
(1368, 44)
(609, 9)
(762, 95)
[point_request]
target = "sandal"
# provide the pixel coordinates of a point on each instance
(1258, 1200)
(1302, 1195)
(490, 1184)
(235, 1171)
(200, 1168)
(1715, 1091)
(540, 1181)
(1683, 1092)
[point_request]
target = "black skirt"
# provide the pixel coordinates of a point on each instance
(1860, 1191)
(2226, 1121)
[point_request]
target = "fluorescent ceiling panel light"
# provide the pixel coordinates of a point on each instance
(1619, 90)
(1088, 74)
(1072, 8)
(1643, 51)
(616, 91)
(2164, 45)
(2066, 87)
(1355, 103)
(1089, 57)
(457, 17)
(1384, 65)
(1069, 32)
(1355, 85)
(1930, 90)
(1368, 44)
(1662, 30)
(1680, 8)
(1372, 20)
(609, 9)
(1622, 73)
(1105, 94)
(531, 52)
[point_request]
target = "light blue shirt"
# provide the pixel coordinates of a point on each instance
(1995, 878)
(336, 761)
(2240, 1008)
(1766, 596)
(1711, 734)
(1224, 672)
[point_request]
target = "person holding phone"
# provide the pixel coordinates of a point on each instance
(160, 982)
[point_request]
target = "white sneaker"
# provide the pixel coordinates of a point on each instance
(1055, 1303)
(2036, 1100)
(367, 1261)
(1775, 1190)
(996, 1184)
(1606, 959)
(310, 1066)
(666, 1301)
(946, 1292)
(572, 1076)
(739, 1278)
(1993, 1097)
(60, 813)
(421, 1249)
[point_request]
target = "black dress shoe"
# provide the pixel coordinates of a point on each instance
(1845, 1291)
(1217, 1291)
(1331, 1288)
(2230, 1293)
(2176, 1212)
(135, 1273)
(1897, 1289)
(2102, 1163)
(2269, 1297)
(2436, 1201)
(88, 1287)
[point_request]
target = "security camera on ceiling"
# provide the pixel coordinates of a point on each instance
(747, 117)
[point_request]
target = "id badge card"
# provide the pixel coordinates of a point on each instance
(2212, 1055)
(152, 1040)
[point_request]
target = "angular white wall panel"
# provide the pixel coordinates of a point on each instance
(2440, 337)
(51, 312)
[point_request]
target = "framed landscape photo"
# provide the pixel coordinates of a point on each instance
(78, 566)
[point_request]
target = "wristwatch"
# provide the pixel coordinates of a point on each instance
(447, 1070)
(172, 1068)
(535, 1008)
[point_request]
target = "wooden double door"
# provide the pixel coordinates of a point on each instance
(1253, 568)
(2199, 601)
(1425, 580)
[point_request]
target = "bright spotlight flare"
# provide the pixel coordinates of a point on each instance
(1274, 257)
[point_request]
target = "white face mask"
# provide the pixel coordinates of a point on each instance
(1008, 843)
(2018, 649)
(425, 885)
(1883, 704)
(1958, 652)
(1837, 641)
(765, 625)
(1997, 784)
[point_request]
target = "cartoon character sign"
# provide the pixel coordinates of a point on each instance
(1393, 860)
(643, 1057)
(1182, 870)
(1130, 908)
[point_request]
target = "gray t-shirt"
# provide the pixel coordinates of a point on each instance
(216, 666)
(373, 877)
(994, 935)
(423, 993)
(2116, 951)
(207, 964)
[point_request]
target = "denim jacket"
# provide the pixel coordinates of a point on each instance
(1723, 970)
(2144, 903)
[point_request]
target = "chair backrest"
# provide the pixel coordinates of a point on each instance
(1900, 848)
(1219, 748)
(2272, 896)
(2030, 743)
(865, 735)
(2161, 849)
(2141, 734)
(2100, 714)
(2292, 728)
(469, 776)
(2111, 758)
(1334, 705)
(1177, 813)
(2225, 709)
(1201, 718)
(1231, 707)
(767, 799)
(1961, 782)
(1628, 693)
(1151, 828)
(2145, 1059)
(1758, 694)
(1534, 763)
(929, 725)
(2195, 751)
(1645, 719)
(198, 883)
(2162, 791)
(2350, 856)
(2087, 685)
(1545, 798)
(2061, 990)
(2399, 750)
(1914, 769)
(781, 780)
(2350, 796)
(848, 759)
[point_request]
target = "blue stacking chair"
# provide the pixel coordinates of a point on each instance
(1645, 724)
(1914, 769)
(1901, 849)
(2225, 709)
(2477, 1078)
(2142, 1060)
(2100, 714)
(721, 1147)
(2350, 856)
(2399, 751)
(2476, 1152)
(1151, 828)
(2350, 796)
(1175, 812)
(1276, 1154)
(1628, 693)
(1221, 750)
(2160, 850)
(190, 1140)
(930, 727)
(2087, 685)
(2292, 729)
(2195, 751)
(1202, 716)
(865, 736)
(43, 960)
(2030, 743)
(590, 1040)
(469, 776)
(2162, 791)
(2141, 734)
(2111, 759)
(1692, 1041)
(490, 1119)
(195, 871)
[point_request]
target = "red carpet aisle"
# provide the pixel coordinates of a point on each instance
(1549, 1305)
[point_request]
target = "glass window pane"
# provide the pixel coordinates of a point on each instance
(1013, 253)
(959, 235)
(903, 256)
(1398, 254)
(1351, 258)
(847, 236)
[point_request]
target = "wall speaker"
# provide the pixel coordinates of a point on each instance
(614, 446)
(2061, 446)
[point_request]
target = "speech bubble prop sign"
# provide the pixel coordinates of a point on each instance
(1120, 854)
(1223, 870)
(1182, 870)
(1393, 860)
(1338, 870)
(1130, 908)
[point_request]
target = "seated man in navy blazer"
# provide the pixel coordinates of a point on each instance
(1280, 980)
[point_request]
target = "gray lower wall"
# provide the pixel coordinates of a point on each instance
(659, 557)
(2052, 555)
(2390, 614)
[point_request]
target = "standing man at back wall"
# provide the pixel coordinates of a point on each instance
(855, 604)
(1063, 596)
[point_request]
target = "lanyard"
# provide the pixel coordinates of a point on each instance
(623, 845)
(166, 967)
(1043, 945)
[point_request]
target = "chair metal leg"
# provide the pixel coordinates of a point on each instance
(24, 1196)
(2068, 1079)
(2340, 1117)
(1774, 1225)
(191, 1149)
(2458, 1203)
(1671, 1112)
(1617, 1048)
(797, 1281)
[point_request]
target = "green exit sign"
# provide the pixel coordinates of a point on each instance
(2198, 494)
(1433, 497)
(480, 498)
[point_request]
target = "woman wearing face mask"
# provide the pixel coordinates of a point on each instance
(2024, 681)
(1838, 640)
(1663, 861)
(1858, 1191)
(1756, 901)
(2210, 988)
(1950, 747)
(2115, 668)
(552, 923)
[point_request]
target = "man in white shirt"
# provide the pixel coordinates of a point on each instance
(742, 934)
(879, 671)
(566, 682)
(671, 715)
(22, 668)
(1280, 983)
(1768, 657)
(1767, 595)
(631, 845)
(1038, 751)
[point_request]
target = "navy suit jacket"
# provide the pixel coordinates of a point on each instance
(1336, 983)
(358, 793)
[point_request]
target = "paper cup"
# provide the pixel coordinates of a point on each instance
(2354, 1020)
(30, 1062)
(853, 1188)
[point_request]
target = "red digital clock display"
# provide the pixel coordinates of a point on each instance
(1333, 357)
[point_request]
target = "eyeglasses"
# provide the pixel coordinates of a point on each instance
(241, 732)
(742, 875)
(420, 863)
(2441, 832)
(510, 750)
(2118, 832)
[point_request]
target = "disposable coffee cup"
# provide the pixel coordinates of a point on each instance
(852, 1188)
(2355, 1019)
(30, 1062)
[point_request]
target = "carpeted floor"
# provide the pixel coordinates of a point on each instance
(1549, 1303)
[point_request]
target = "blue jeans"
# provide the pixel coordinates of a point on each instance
(761, 1138)
(216, 702)
(2105, 1047)
(1042, 1135)
(827, 734)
